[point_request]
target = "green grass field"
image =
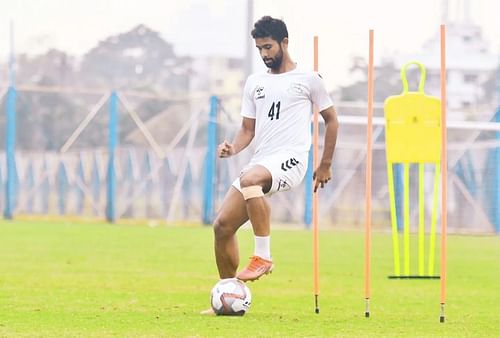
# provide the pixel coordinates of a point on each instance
(97, 280)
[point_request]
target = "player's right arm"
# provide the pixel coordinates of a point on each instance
(242, 139)
(247, 130)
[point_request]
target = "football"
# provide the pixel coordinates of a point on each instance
(230, 297)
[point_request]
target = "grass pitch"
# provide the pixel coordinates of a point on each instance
(96, 280)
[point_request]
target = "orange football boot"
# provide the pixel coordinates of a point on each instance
(255, 269)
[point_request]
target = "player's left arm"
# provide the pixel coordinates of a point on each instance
(323, 173)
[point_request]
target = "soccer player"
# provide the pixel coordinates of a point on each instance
(276, 114)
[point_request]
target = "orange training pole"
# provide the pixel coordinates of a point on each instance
(444, 172)
(315, 194)
(368, 193)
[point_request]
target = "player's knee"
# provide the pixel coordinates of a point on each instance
(253, 191)
(222, 229)
(248, 181)
(250, 187)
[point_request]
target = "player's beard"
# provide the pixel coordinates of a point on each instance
(275, 61)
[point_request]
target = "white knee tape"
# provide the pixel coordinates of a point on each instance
(252, 191)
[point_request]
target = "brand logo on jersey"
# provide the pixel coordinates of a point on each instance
(297, 89)
(289, 164)
(259, 91)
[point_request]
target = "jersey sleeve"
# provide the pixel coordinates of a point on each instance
(319, 95)
(247, 103)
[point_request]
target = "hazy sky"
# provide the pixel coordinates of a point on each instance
(211, 27)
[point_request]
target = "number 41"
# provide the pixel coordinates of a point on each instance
(271, 111)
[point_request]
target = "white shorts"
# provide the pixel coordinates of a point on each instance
(287, 169)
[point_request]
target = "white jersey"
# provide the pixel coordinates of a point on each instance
(281, 105)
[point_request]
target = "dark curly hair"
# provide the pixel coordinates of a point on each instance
(270, 27)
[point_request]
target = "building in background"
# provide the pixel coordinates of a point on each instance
(221, 76)
(471, 65)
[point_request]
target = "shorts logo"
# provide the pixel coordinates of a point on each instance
(283, 185)
(289, 164)
(260, 93)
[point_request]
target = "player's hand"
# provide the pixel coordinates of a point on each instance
(321, 176)
(225, 149)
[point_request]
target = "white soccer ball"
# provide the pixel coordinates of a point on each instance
(230, 297)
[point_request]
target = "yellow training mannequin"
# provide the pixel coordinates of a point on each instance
(413, 135)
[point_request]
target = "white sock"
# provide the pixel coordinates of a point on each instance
(263, 247)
